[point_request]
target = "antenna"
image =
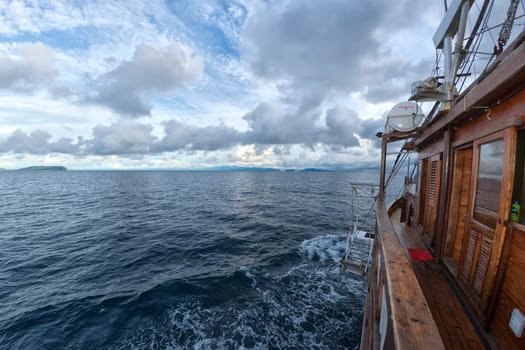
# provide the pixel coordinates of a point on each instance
(404, 117)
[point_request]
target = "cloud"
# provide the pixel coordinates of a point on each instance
(316, 49)
(368, 129)
(19, 17)
(121, 138)
(151, 71)
(31, 69)
(180, 136)
(37, 142)
(312, 43)
(389, 79)
(270, 124)
(342, 125)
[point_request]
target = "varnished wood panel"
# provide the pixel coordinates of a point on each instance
(458, 205)
(483, 263)
(436, 147)
(512, 294)
(413, 326)
(432, 199)
(455, 328)
(423, 194)
(472, 244)
(483, 245)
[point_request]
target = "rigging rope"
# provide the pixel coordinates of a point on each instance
(506, 29)
(475, 39)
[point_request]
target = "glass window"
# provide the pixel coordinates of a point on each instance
(488, 186)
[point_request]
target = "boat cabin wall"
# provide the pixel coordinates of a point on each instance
(422, 207)
(474, 171)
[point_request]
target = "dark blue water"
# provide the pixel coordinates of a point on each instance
(176, 260)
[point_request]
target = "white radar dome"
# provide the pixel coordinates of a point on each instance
(404, 116)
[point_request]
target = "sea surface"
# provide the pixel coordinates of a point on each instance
(177, 260)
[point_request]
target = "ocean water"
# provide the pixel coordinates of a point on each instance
(177, 260)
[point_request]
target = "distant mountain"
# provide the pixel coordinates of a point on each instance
(237, 168)
(360, 167)
(44, 167)
(317, 170)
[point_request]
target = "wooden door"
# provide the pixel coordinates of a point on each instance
(423, 178)
(458, 207)
(491, 189)
(433, 184)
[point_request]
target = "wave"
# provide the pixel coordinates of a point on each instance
(312, 305)
(98, 260)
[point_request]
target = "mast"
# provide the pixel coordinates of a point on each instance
(449, 38)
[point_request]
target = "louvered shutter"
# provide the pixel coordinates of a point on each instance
(483, 263)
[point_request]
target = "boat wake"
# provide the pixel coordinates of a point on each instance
(311, 305)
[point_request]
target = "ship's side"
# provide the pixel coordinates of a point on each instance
(462, 206)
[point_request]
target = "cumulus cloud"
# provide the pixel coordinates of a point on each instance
(341, 126)
(37, 142)
(180, 136)
(389, 79)
(121, 138)
(269, 128)
(312, 43)
(150, 71)
(333, 46)
(271, 124)
(32, 68)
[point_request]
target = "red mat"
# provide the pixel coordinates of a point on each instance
(420, 254)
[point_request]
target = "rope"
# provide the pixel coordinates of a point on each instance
(475, 39)
(506, 29)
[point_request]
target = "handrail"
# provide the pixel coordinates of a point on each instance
(410, 320)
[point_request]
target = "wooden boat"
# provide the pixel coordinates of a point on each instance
(468, 289)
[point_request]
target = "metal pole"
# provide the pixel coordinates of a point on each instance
(383, 169)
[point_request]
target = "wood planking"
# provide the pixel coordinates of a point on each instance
(432, 198)
(412, 322)
(512, 292)
(455, 328)
(458, 206)
(463, 202)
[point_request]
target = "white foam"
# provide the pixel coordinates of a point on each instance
(249, 275)
(310, 306)
(325, 248)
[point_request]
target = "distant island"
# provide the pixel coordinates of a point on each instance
(317, 170)
(238, 168)
(222, 168)
(44, 167)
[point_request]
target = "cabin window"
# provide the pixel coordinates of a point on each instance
(490, 173)
(412, 178)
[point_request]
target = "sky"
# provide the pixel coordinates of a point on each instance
(194, 84)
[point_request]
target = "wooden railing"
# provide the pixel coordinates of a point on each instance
(397, 315)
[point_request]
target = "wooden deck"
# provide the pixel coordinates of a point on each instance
(454, 325)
